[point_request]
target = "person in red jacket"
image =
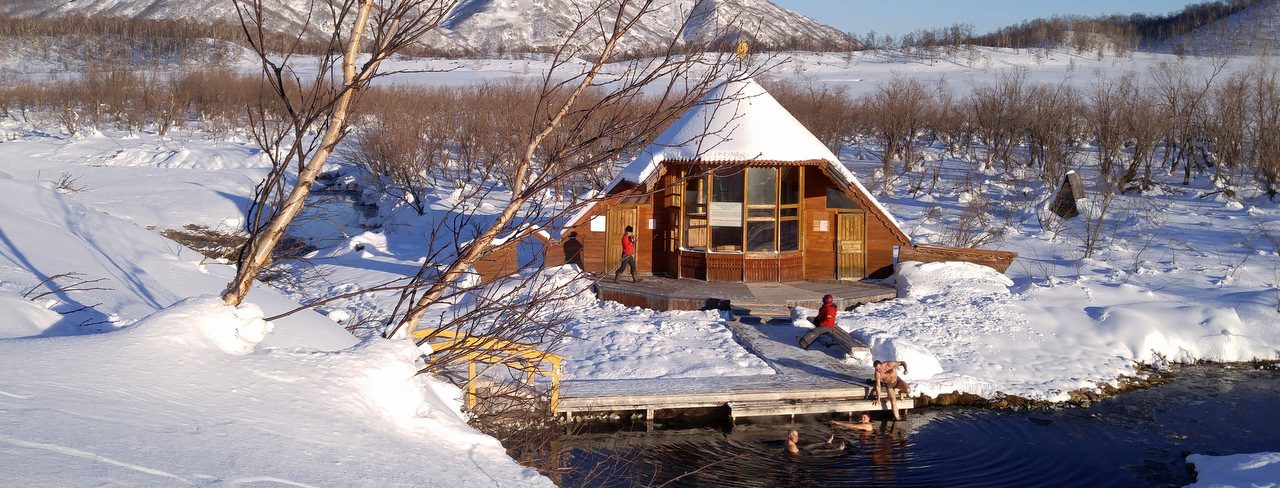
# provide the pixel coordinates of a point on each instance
(628, 255)
(824, 323)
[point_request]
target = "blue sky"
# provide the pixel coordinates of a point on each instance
(901, 16)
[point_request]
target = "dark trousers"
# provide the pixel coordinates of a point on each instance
(628, 261)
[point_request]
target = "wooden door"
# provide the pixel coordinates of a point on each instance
(616, 222)
(851, 231)
(671, 241)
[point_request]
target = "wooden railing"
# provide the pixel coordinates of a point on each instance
(1000, 260)
(522, 357)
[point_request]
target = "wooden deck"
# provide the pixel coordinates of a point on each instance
(805, 382)
(685, 294)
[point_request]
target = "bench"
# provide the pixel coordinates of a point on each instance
(838, 337)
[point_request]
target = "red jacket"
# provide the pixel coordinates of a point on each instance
(827, 315)
(628, 245)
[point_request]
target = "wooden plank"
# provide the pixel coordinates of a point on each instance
(788, 407)
(998, 260)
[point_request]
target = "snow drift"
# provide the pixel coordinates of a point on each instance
(963, 327)
(189, 395)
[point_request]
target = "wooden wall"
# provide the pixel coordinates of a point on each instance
(819, 262)
(819, 246)
(594, 244)
(820, 258)
(498, 262)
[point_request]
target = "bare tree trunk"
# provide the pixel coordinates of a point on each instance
(519, 196)
(264, 241)
(396, 24)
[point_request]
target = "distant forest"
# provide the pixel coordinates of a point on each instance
(1118, 32)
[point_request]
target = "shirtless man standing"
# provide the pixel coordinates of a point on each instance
(887, 374)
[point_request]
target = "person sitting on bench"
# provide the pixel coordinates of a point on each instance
(824, 323)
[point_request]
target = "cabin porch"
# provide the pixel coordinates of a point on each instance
(660, 293)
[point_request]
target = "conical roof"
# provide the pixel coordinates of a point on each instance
(736, 122)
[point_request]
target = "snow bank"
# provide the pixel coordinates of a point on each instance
(921, 363)
(24, 318)
(206, 323)
(189, 395)
(921, 280)
(962, 327)
(1239, 470)
(133, 271)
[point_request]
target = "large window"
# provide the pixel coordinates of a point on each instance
(735, 209)
(789, 208)
(695, 209)
(762, 209)
(726, 209)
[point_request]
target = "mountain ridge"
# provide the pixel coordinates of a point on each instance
(489, 26)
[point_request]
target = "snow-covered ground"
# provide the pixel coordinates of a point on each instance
(1257, 470)
(132, 382)
(187, 396)
(127, 381)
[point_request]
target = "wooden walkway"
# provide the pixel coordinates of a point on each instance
(805, 382)
(685, 294)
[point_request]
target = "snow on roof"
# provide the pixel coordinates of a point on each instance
(735, 122)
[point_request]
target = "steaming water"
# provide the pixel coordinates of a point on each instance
(1137, 439)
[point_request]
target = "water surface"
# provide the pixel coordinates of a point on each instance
(1139, 438)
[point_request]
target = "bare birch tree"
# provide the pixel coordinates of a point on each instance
(304, 117)
(581, 121)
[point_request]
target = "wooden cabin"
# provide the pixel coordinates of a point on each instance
(738, 190)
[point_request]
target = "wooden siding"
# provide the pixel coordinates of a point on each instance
(791, 267)
(758, 269)
(693, 265)
(498, 262)
(882, 235)
(666, 214)
(819, 257)
(724, 266)
(819, 246)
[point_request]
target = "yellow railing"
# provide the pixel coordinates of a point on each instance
(478, 349)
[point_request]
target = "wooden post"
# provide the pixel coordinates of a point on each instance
(1064, 203)
(471, 386)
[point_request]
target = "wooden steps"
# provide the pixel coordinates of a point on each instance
(685, 294)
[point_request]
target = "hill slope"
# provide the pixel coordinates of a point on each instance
(1252, 31)
(506, 25)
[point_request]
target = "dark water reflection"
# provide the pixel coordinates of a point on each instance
(1137, 439)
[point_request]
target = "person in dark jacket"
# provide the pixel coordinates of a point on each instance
(824, 323)
(573, 250)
